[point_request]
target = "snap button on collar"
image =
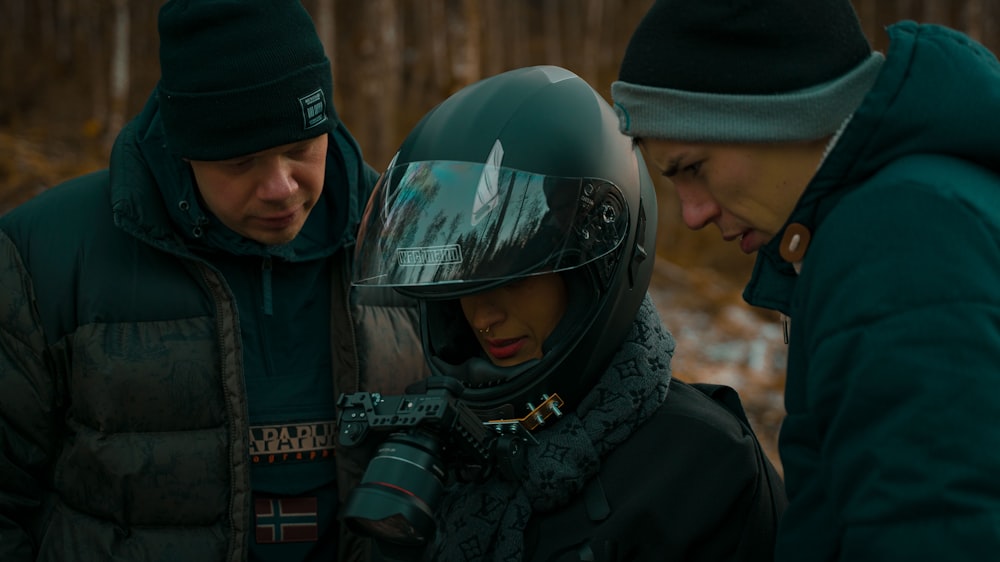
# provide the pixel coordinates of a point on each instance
(795, 242)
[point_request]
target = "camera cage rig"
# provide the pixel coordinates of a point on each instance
(440, 408)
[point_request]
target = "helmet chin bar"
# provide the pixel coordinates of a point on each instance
(478, 373)
(501, 392)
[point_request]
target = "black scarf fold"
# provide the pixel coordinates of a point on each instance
(486, 520)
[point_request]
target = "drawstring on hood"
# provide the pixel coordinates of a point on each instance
(197, 219)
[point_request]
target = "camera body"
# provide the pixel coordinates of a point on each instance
(432, 435)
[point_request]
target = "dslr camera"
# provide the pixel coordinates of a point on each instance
(429, 437)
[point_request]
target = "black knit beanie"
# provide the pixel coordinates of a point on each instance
(240, 76)
(744, 70)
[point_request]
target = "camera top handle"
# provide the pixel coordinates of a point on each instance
(439, 407)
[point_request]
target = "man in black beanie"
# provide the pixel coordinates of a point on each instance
(175, 329)
(869, 187)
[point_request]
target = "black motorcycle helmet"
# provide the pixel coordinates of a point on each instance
(518, 174)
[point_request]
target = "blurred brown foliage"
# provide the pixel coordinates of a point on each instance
(31, 165)
(72, 72)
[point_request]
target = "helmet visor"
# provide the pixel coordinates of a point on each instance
(434, 223)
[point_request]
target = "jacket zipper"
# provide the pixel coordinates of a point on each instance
(213, 280)
(346, 283)
(268, 296)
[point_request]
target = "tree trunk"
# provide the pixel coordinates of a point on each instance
(467, 56)
(591, 40)
(119, 72)
(493, 31)
(552, 32)
(326, 28)
(438, 48)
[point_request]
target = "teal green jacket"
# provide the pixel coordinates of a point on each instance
(891, 445)
(124, 358)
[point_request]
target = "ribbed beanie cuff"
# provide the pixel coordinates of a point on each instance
(806, 114)
(241, 76)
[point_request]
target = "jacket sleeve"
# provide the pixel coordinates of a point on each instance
(28, 407)
(771, 499)
(727, 489)
(893, 425)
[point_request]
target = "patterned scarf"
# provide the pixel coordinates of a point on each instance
(485, 521)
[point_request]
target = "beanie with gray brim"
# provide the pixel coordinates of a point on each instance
(806, 114)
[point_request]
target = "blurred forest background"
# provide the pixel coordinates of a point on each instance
(72, 72)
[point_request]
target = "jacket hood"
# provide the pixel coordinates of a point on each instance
(938, 92)
(154, 197)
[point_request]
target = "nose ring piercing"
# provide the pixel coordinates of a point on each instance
(486, 331)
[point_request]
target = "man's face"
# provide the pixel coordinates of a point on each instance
(266, 196)
(747, 191)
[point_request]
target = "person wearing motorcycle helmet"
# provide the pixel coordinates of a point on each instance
(524, 223)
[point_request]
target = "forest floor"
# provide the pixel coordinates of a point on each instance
(720, 339)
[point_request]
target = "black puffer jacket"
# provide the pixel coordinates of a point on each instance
(123, 415)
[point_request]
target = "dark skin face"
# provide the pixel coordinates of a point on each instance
(519, 317)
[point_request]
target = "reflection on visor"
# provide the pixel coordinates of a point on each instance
(437, 222)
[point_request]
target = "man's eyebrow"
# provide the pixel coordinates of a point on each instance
(671, 169)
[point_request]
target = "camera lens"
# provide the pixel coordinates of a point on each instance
(399, 491)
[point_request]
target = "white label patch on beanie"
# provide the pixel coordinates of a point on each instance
(313, 109)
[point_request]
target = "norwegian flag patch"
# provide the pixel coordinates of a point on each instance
(286, 520)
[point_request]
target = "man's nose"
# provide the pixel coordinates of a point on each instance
(698, 209)
(275, 181)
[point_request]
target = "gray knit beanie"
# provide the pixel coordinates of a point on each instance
(241, 76)
(744, 70)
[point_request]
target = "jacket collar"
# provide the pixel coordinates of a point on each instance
(154, 198)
